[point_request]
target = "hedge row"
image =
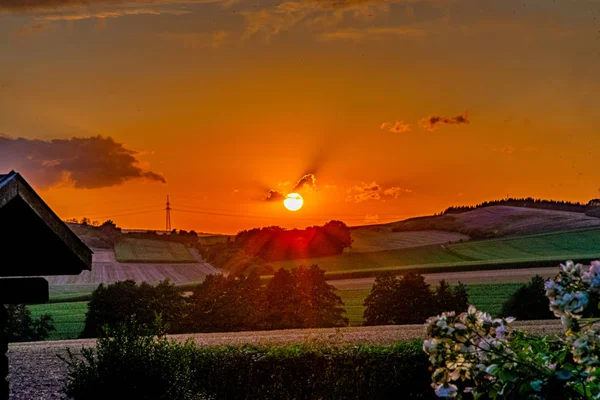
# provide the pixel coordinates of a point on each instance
(128, 366)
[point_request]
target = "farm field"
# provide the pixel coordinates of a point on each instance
(152, 251)
(531, 251)
(488, 298)
(106, 269)
(69, 318)
(576, 244)
(369, 240)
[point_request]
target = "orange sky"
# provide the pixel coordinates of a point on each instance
(229, 99)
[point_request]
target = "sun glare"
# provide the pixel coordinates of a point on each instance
(293, 202)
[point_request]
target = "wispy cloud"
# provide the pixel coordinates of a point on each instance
(364, 192)
(92, 162)
(195, 40)
(361, 34)
(431, 123)
(275, 195)
(396, 192)
(287, 14)
(398, 127)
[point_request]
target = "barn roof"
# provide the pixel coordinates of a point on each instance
(33, 239)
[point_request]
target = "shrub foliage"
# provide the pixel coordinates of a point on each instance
(144, 367)
(23, 328)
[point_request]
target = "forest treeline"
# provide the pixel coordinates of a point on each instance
(530, 202)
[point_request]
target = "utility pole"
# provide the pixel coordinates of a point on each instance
(168, 210)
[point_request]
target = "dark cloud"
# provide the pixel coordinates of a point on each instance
(432, 122)
(275, 195)
(49, 5)
(89, 163)
(307, 181)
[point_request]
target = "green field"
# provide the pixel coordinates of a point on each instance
(152, 251)
(488, 298)
(540, 250)
(573, 244)
(69, 318)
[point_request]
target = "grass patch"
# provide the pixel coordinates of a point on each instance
(152, 251)
(69, 318)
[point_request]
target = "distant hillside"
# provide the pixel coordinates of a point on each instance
(529, 202)
(494, 221)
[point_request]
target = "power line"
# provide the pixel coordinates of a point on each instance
(268, 217)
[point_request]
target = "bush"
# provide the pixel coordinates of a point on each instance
(115, 304)
(529, 302)
(23, 328)
(130, 366)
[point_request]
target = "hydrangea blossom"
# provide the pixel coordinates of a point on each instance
(477, 354)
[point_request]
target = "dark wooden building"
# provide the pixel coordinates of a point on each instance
(34, 242)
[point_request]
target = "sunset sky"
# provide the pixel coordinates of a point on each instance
(397, 108)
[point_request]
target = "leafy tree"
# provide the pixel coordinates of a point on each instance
(225, 303)
(318, 305)
(115, 304)
(409, 300)
(528, 302)
(281, 302)
(23, 328)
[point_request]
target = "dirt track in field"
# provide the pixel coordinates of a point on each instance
(521, 275)
(38, 374)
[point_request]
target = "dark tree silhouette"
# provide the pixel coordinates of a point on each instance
(23, 328)
(528, 302)
(409, 300)
(117, 303)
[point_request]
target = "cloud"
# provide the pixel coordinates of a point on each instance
(195, 40)
(396, 192)
(30, 29)
(274, 195)
(360, 34)
(16, 6)
(398, 127)
(308, 181)
(102, 14)
(88, 163)
(287, 14)
(364, 192)
(431, 123)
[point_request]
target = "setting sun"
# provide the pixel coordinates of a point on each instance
(293, 202)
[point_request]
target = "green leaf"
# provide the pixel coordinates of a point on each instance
(563, 374)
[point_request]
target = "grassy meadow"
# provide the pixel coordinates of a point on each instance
(152, 251)
(69, 318)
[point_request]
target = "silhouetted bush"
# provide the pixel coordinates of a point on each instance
(409, 300)
(23, 328)
(128, 366)
(528, 302)
(115, 304)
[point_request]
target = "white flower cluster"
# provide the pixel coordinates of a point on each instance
(469, 347)
(473, 352)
